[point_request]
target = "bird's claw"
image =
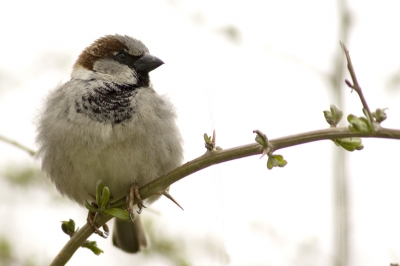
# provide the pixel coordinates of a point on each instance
(132, 194)
(91, 221)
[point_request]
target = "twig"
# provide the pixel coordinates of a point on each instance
(355, 86)
(18, 145)
(158, 185)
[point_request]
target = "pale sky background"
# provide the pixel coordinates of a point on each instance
(270, 79)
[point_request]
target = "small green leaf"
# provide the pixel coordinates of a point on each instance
(119, 213)
(350, 144)
(281, 161)
(104, 199)
(276, 161)
(269, 165)
(92, 245)
(90, 207)
(348, 147)
(359, 124)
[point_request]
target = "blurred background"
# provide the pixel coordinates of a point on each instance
(232, 66)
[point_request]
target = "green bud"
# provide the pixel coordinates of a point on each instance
(380, 115)
(104, 199)
(261, 138)
(68, 227)
(333, 116)
(328, 118)
(208, 142)
(276, 161)
(359, 124)
(350, 144)
(207, 138)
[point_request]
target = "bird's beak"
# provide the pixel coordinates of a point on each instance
(147, 63)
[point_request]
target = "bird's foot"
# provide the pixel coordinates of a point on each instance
(131, 195)
(91, 221)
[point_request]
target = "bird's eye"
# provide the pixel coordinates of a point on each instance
(122, 56)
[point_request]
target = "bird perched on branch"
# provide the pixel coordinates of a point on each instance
(108, 123)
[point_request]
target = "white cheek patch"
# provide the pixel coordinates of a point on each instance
(82, 73)
(111, 70)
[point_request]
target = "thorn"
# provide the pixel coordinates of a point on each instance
(166, 194)
(214, 139)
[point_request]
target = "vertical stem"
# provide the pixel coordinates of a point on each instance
(341, 206)
(340, 186)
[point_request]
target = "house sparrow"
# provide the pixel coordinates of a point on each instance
(107, 123)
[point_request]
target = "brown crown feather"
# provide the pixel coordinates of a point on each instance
(103, 47)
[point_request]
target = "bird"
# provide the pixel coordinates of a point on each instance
(108, 123)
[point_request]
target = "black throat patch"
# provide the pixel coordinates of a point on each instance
(110, 103)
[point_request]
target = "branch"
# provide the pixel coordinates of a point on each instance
(355, 86)
(18, 145)
(215, 157)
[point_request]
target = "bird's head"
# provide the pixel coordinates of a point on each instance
(116, 58)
